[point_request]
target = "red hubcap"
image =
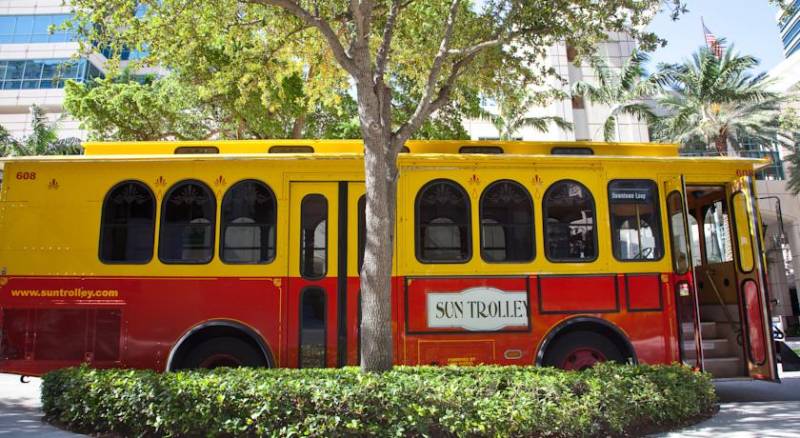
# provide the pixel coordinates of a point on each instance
(220, 360)
(582, 358)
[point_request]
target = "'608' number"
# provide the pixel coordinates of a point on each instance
(26, 175)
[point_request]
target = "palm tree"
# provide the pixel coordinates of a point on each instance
(624, 90)
(43, 139)
(512, 115)
(716, 102)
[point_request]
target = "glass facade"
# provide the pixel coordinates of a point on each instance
(44, 73)
(790, 31)
(34, 29)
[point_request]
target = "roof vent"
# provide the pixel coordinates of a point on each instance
(197, 150)
(300, 149)
(480, 150)
(571, 151)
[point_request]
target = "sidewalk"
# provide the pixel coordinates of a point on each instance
(21, 410)
(752, 409)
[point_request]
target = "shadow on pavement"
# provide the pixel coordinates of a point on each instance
(756, 391)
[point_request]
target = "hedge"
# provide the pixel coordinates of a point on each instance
(609, 399)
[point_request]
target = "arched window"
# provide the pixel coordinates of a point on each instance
(569, 223)
(127, 226)
(188, 214)
(248, 219)
(443, 223)
(506, 223)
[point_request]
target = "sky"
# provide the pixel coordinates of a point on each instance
(749, 24)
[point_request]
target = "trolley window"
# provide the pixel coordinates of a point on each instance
(127, 228)
(312, 328)
(314, 236)
(635, 220)
(443, 223)
(743, 231)
(187, 224)
(247, 233)
(506, 223)
(362, 230)
(677, 233)
(569, 223)
(717, 233)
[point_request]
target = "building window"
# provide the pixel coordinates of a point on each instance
(569, 223)
(312, 328)
(127, 226)
(188, 216)
(506, 213)
(443, 223)
(249, 216)
(314, 236)
(635, 220)
(45, 73)
(20, 29)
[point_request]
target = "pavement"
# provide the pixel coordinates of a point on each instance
(21, 410)
(748, 409)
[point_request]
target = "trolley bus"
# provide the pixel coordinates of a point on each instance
(174, 255)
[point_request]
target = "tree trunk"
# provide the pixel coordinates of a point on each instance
(381, 192)
(298, 126)
(721, 142)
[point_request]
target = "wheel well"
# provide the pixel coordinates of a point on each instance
(593, 325)
(216, 329)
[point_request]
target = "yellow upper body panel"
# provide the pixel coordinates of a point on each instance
(50, 207)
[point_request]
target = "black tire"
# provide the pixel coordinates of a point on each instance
(224, 351)
(564, 347)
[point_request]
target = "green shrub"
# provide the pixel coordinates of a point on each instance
(492, 401)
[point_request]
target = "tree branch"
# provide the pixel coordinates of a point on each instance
(442, 98)
(422, 110)
(386, 42)
(315, 20)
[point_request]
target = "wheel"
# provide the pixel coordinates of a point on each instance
(224, 352)
(581, 350)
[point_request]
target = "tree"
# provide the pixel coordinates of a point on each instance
(624, 91)
(442, 47)
(43, 139)
(512, 113)
(717, 102)
(149, 109)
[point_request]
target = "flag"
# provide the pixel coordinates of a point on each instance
(712, 42)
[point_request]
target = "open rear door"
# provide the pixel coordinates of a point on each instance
(752, 280)
(683, 281)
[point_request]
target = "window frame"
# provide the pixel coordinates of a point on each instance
(103, 219)
(222, 223)
(417, 216)
(659, 236)
(594, 224)
(213, 227)
(532, 224)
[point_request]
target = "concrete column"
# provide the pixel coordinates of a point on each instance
(793, 237)
(776, 275)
